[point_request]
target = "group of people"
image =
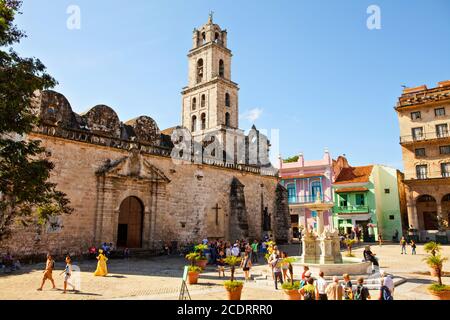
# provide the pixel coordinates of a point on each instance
(404, 243)
(101, 270)
(320, 289)
(9, 264)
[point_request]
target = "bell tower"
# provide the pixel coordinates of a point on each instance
(210, 100)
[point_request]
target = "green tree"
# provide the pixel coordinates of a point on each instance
(26, 196)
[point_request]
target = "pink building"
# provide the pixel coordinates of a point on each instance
(304, 180)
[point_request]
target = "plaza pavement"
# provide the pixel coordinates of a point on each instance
(160, 278)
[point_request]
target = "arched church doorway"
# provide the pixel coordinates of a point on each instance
(130, 223)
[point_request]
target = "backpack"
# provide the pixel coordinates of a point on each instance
(309, 295)
(386, 293)
(358, 293)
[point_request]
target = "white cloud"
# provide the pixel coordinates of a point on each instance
(252, 115)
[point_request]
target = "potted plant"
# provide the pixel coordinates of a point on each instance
(291, 290)
(234, 288)
(439, 290)
(433, 248)
(202, 261)
(193, 271)
(349, 243)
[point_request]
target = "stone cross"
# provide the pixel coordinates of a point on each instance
(217, 208)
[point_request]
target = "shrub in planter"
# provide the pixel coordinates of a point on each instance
(234, 288)
(202, 261)
(193, 274)
(435, 261)
(291, 290)
(349, 243)
(442, 292)
(433, 249)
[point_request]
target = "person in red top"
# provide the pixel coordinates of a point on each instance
(305, 270)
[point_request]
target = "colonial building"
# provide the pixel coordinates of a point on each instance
(423, 116)
(368, 198)
(125, 185)
(304, 181)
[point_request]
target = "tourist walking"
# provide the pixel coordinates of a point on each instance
(308, 291)
(380, 240)
(386, 281)
(413, 247)
(275, 262)
(246, 264)
(321, 285)
(255, 251)
(285, 267)
(334, 290)
(235, 251)
(361, 291)
(48, 272)
(67, 274)
(221, 263)
(403, 245)
(102, 269)
(348, 287)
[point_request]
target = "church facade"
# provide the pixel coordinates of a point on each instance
(127, 186)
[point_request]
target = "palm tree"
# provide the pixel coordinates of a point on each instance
(349, 243)
(232, 261)
(432, 247)
(436, 262)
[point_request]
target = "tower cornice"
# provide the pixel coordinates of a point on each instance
(207, 46)
(209, 83)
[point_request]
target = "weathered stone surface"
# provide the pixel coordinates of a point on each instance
(102, 119)
(145, 129)
(54, 108)
(282, 221)
(238, 211)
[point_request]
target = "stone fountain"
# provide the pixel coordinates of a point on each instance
(321, 247)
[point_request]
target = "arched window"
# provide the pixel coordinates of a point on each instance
(221, 68)
(203, 118)
(194, 103)
(227, 119)
(217, 37)
(203, 101)
(203, 37)
(200, 70)
(194, 123)
(227, 100)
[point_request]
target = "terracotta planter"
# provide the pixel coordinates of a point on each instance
(440, 295)
(193, 277)
(293, 294)
(234, 295)
(202, 263)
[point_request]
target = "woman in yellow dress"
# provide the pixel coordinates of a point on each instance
(102, 269)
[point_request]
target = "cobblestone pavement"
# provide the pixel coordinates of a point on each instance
(160, 278)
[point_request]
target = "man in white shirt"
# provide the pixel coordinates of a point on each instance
(235, 251)
(321, 285)
(386, 280)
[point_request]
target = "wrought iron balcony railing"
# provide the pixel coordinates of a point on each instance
(305, 199)
(425, 136)
(351, 209)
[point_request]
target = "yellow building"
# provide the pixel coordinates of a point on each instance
(424, 118)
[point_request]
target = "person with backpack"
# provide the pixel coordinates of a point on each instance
(308, 292)
(387, 286)
(361, 291)
(348, 287)
(49, 266)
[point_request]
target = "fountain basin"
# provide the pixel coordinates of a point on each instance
(352, 266)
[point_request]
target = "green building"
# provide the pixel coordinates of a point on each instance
(366, 197)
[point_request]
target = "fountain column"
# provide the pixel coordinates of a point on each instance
(320, 222)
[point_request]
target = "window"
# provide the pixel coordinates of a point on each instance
(391, 217)
(359, 199)
(387, 191)
(445, 169)
(442, 130)
(416, 115)
(227, 119)
(417, 133)
(217, 37)
(194, 103)
(316, 188)
(343, 200)
(291, 193)
(194, 124)
(439, 112)
(200, 70)
(227, 100)
(444, 149)
(422, 171)
(203, 37)
(203, 101)
(221, 69)
(203, 119)
(420, 152)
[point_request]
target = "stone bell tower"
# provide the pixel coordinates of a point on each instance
(210, 101)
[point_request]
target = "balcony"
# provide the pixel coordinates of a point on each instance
(440, 135)
(351, 209)
(305, 199)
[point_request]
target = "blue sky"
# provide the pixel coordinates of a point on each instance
(312, 69)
